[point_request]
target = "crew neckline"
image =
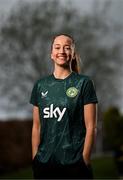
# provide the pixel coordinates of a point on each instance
(58, 79)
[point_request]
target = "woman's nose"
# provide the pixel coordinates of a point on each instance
(62, 50)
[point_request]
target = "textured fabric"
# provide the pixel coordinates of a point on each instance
(61, 106)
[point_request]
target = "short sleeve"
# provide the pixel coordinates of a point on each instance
(89, 93)
(34, 96)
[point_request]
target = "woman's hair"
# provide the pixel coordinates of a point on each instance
(75, 63)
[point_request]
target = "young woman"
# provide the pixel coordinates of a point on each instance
(64, 117)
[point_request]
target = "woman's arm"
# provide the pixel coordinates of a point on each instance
(35, 131)
(90, 116)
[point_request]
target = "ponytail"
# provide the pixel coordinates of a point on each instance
(75, 64)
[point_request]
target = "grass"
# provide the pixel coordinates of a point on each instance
(103, 168)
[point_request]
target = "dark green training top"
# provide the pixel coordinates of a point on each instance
(61, 106)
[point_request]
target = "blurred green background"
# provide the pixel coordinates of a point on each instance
(26, 32)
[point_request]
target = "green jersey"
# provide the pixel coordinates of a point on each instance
(61, 107)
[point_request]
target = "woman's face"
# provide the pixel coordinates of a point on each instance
(62, 50)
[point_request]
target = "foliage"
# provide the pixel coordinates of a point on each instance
(15, 144)
(113, 126)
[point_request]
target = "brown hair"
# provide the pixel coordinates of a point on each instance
(75, 63)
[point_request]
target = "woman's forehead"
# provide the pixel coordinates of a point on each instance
(62, 39)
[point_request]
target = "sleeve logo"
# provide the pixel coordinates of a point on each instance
(72, 92)
(44, 94)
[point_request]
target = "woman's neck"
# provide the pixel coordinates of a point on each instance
(61, 73)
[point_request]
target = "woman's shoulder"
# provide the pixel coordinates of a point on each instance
(43, 79)
(82, 76)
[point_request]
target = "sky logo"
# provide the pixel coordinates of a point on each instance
(50, 112)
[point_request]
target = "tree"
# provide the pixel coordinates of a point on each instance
(25, 45)
(113, 126)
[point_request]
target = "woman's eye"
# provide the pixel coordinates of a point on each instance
(57, 47)
(67, 48)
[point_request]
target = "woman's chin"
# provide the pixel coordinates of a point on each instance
(64, 65)
(62, 62)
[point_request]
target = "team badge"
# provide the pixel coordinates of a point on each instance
(72, 92)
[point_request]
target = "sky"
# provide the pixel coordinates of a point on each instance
(85, 6)
(6, 5)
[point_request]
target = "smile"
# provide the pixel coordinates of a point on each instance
(61, 56)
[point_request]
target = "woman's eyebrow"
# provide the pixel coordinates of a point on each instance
(60, 44)
(56, 44)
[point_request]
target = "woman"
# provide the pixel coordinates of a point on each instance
(64, 117)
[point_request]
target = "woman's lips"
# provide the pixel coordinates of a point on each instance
(61, 56)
